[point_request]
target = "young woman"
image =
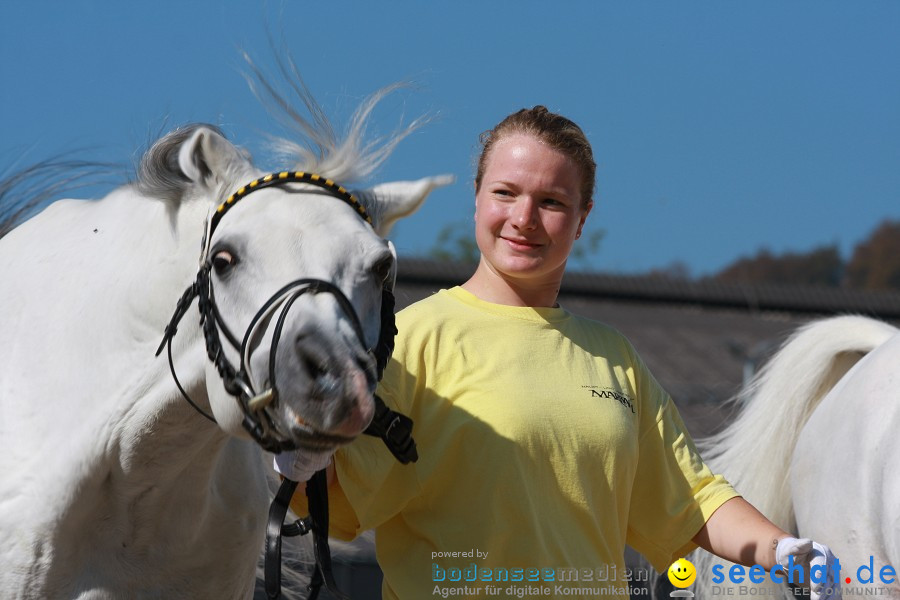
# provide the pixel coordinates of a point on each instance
(545, 444)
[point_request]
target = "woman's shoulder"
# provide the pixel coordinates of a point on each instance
(601, 334)
(595, 327)
(423, 318)
(437, 303)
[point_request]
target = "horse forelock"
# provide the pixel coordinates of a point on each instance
(318, 148)
(315, 147)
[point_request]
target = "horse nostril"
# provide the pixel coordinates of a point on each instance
(314, 368)
(312, 358)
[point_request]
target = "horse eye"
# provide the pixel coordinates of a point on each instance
(382, 268)
(222, 262)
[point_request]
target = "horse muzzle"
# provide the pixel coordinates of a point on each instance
(325, 386)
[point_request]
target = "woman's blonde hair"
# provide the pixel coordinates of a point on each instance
(556, 131)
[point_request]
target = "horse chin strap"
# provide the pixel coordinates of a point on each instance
(393, 428)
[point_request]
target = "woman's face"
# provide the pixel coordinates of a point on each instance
(528, 211)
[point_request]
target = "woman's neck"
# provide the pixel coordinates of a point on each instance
(491, 286)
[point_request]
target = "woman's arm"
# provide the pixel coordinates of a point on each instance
(740, 533)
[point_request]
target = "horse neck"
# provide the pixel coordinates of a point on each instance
(161, 453)
(168, 477)
(173, 494)
(163, 439)
(161, 444)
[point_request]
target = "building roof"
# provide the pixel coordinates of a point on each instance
(798, 299)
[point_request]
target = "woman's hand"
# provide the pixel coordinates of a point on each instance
(740, 533)
(300, 465)
(811, 555)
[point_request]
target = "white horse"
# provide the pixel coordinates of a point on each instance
(111, 484)
(816, 448)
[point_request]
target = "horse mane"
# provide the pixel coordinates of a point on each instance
(25, 191)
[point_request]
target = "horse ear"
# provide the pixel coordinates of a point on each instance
(400, 199)
(207, 153)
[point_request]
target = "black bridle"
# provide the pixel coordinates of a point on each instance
(238, 381)
(393, 428)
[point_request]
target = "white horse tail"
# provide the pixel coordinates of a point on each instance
(754, 451)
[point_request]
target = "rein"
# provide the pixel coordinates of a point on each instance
(393, 428)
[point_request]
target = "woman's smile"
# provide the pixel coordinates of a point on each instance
(521, 245)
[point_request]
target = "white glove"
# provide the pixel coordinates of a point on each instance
(300, 465)
(809, 554)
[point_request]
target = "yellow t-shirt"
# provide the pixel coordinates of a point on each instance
(545, 445)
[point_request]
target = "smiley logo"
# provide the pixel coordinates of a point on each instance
(682, 573)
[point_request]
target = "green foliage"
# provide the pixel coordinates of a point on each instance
(456, 242)
(586, 248)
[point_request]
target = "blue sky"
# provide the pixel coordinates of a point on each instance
(719, 127)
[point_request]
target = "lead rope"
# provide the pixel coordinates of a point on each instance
(274, 530)
(316, 522)
(395, 430)
(317, 494)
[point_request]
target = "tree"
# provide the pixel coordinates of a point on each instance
(586, 248)
(456, 242)
(875, 264)
(820, 266)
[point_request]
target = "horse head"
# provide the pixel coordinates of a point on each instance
(293, 273)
